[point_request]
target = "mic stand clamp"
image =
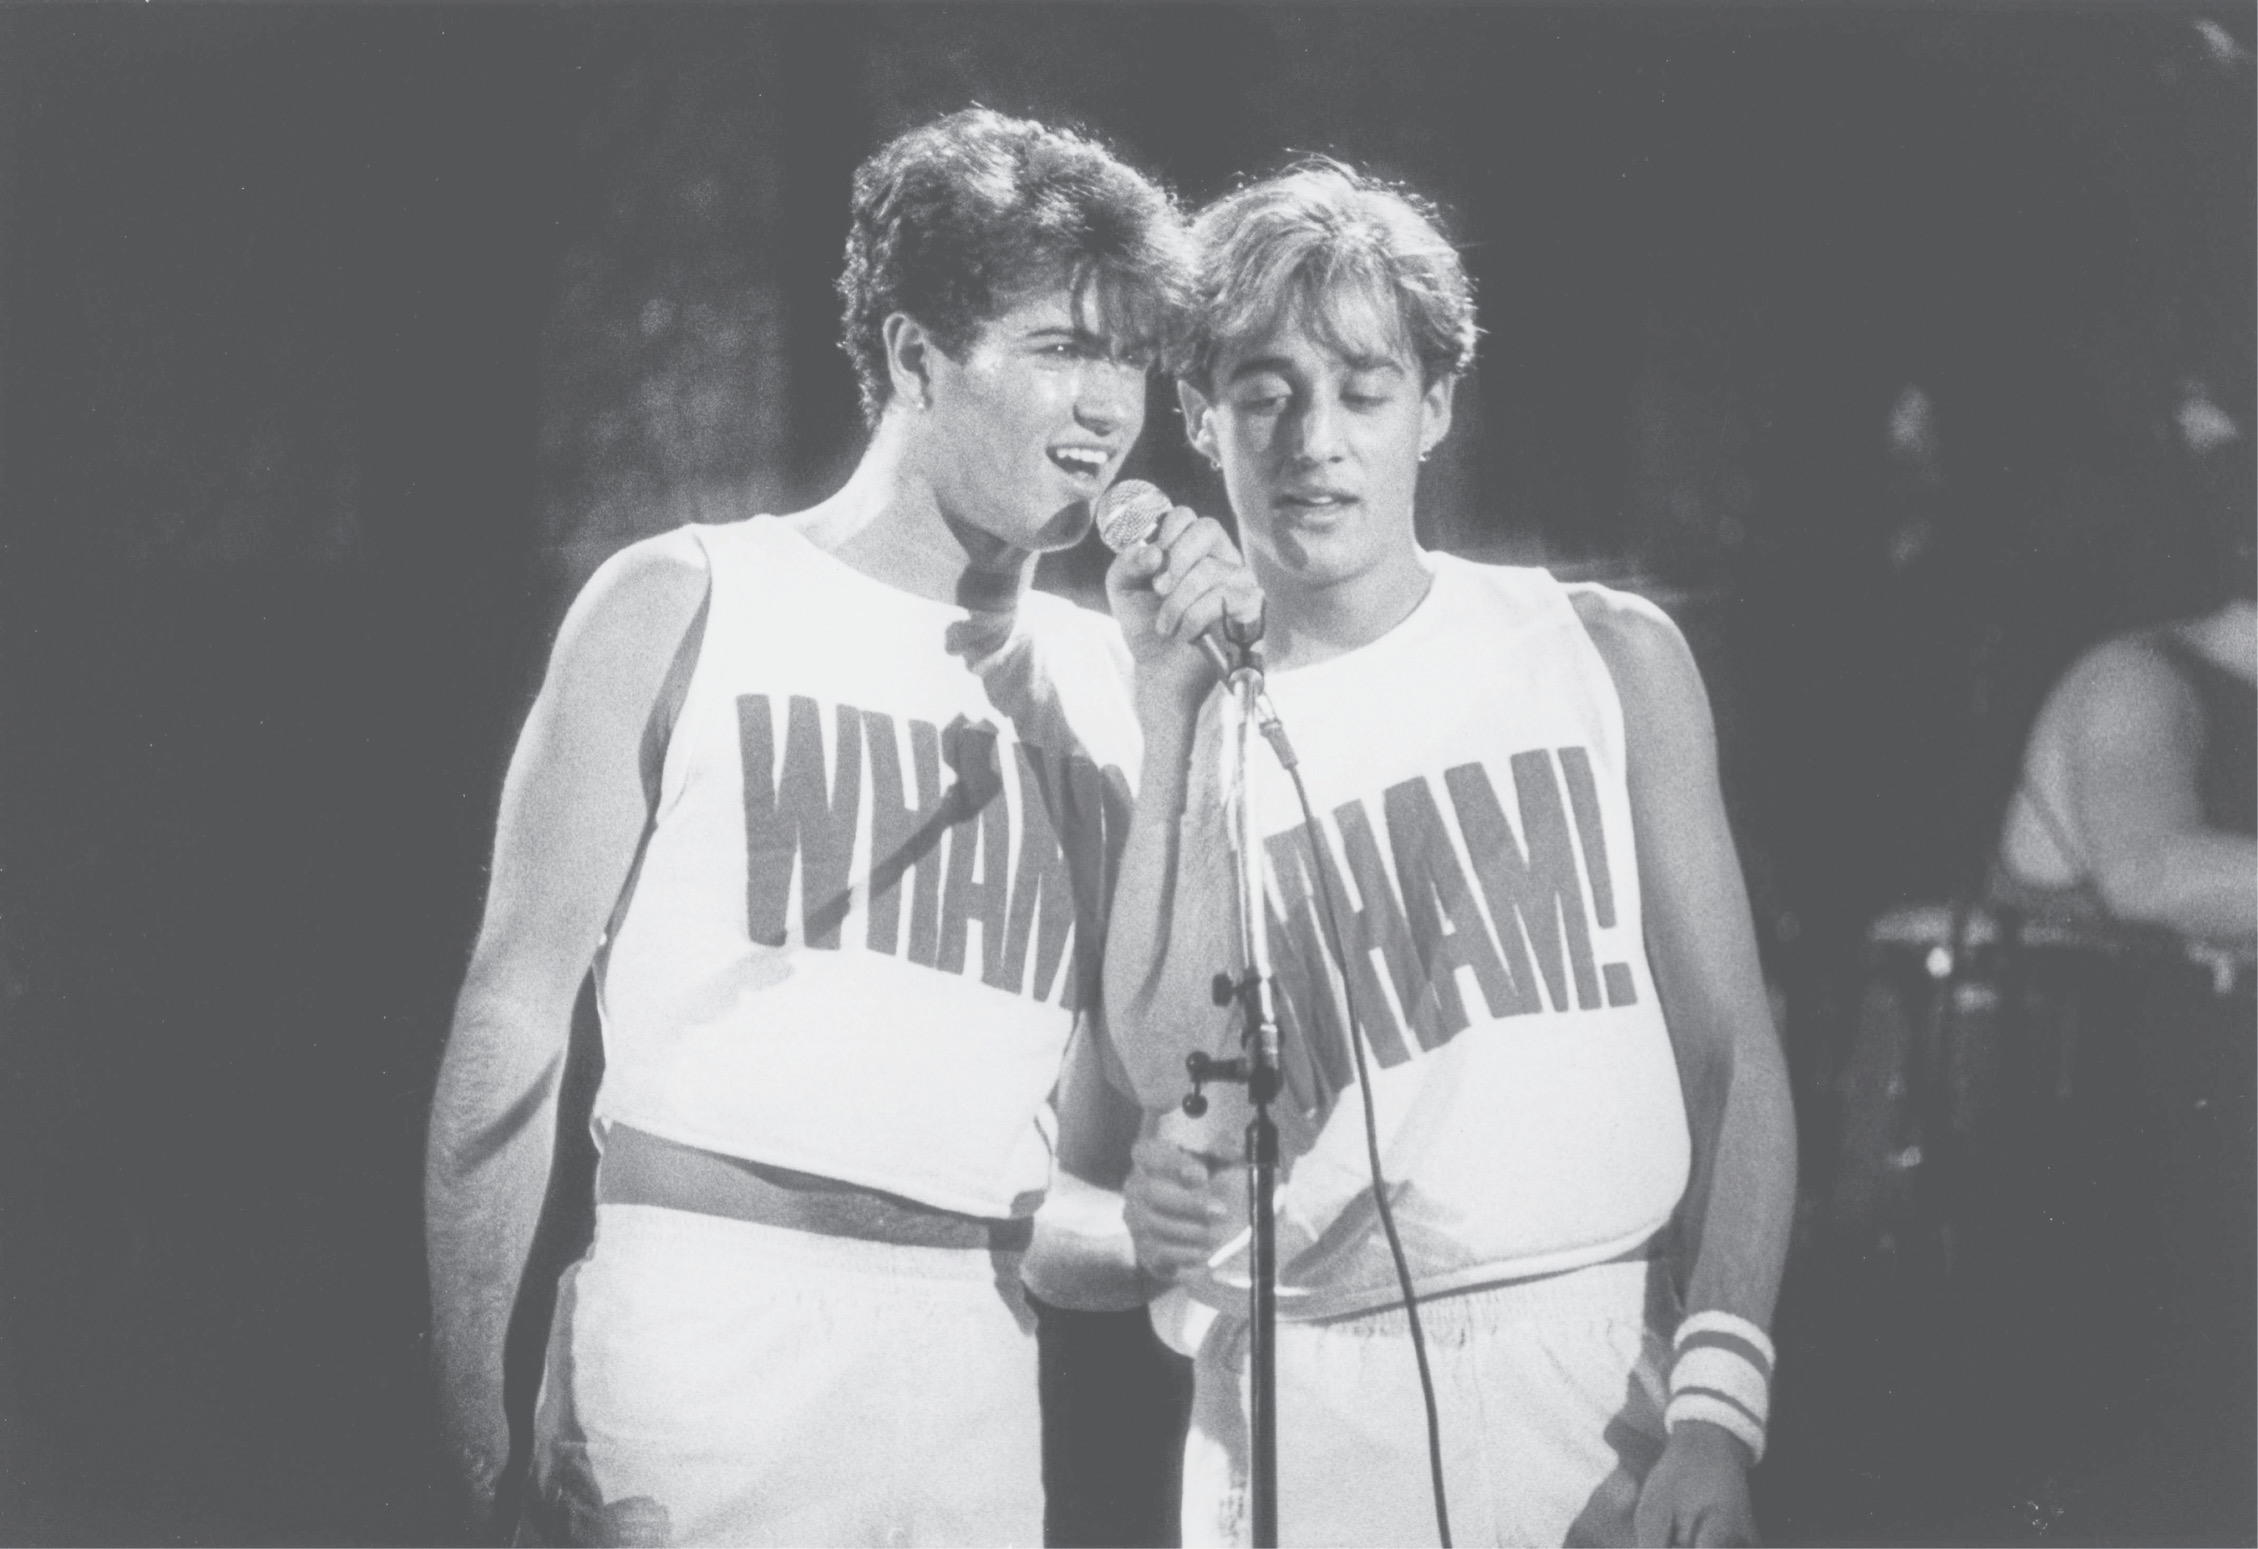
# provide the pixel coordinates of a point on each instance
(1203, 1069)
(1260, 1080)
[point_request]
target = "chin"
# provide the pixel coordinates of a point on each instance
(1318, 559)
(1063, 528)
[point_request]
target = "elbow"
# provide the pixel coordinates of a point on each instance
(495, 1106)
(467, 1137)
(1154, 1066)
(1742, 1081)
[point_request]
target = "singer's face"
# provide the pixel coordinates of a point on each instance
(1319, 431)
(1032, 423)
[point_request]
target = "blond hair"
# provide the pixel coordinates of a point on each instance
(1290, 244)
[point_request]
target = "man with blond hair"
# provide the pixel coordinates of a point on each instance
(1510, 936)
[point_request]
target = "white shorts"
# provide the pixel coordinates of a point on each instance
(712, 1381)
(1550, 1396)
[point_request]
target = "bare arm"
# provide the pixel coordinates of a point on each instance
(1734, 1221)
(1173, 909)
(1173, 899)
(574, 806)
(1155, 1005)
(2133, 739)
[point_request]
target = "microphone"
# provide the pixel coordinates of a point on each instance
(1129, 513)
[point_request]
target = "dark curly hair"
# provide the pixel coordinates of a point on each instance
(1317, 228)
(950, 220)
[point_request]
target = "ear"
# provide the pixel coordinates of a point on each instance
(1434, 413)
(1199, 420)
(910, 353)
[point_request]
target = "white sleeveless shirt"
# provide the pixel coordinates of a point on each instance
(873, 897)
(1468, 771)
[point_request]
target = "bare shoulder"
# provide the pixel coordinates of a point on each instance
(631, 616)
(1643, 647)
(652, 580)
(1624, 619)
(2123, 665)
(2124, 689)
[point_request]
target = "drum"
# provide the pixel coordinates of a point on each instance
(2034, 1178)
(1987, 1057)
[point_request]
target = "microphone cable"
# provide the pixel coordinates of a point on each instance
(1274, 732)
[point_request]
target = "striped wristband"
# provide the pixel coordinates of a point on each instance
(1722, 1374)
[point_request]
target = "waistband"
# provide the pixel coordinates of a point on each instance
(1621, 1290)
(718, 1244)
(642, 1169)
(1635, 1290)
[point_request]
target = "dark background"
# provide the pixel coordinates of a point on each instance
(338, 344)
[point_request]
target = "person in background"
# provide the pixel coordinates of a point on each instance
(2135, 822)
(2138, 801)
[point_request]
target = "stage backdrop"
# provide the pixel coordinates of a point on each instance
(338, 344)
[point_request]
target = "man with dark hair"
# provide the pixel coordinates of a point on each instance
(830, 804)
(951, 217)
(1511, 945)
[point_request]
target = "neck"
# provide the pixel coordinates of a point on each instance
(887, 522)
(1309, 624)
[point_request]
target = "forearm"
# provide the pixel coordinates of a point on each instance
(1172, 909)
(2202, 884)
(1740, 1199)
(1734, 1229)
(487, 1163)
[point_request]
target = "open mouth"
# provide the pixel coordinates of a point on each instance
(1315, 503)
(1081, 461)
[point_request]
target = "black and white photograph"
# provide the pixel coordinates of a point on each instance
(1134, 773)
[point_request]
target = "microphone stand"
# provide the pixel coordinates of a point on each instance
(1258, 1069)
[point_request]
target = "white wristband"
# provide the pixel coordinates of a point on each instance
(1722, 1374)
(1727, 1327)
(1704, 1368)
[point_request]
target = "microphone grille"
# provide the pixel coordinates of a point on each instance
(1127, 513)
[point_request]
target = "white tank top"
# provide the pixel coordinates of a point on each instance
(872, 900)
(1468, 769)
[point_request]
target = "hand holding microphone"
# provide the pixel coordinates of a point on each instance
(1177, 577)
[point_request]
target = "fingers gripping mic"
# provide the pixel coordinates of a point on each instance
(1130, 513)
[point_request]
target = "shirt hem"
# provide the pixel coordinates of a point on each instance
(940, 1197)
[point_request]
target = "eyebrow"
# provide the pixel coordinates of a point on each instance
(1284, 367)
(1075, 334)
(1257, 365)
